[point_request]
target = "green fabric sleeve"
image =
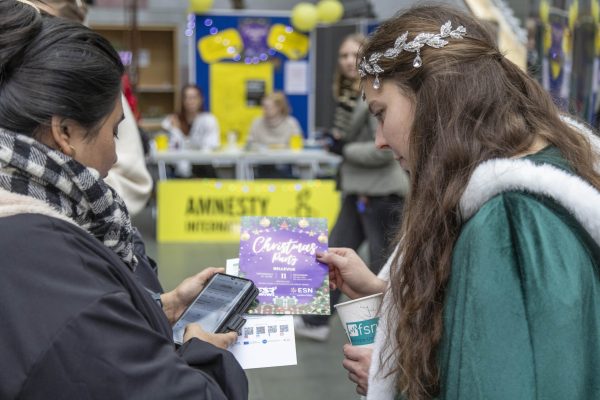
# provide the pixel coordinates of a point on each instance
(521, 318)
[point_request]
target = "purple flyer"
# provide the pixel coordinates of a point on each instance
(278, 254)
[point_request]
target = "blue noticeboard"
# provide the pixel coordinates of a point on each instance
(253, 48)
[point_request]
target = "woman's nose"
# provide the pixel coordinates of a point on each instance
(380, 142)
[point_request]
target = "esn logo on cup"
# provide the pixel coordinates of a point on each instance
(362, 332)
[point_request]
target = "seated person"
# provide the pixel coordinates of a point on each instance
(192, 129)
(276, 127)
(273, 130)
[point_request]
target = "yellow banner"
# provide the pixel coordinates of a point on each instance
(210, 210)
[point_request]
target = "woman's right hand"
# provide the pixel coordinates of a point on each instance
(221, 340)
(350, 274)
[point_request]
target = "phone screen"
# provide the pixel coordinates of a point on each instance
(213, 304)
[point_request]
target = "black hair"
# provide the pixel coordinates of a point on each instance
(53, 67)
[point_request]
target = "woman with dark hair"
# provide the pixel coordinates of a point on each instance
(129, 176)
(494, 291)
(76, 322)
(192, 128)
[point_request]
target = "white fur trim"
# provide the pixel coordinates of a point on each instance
(496, 176)
(501, 175)
(15, 204)
(381, 387)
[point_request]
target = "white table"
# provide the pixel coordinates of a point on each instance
(308, 161)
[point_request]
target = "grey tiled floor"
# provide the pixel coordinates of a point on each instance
(319, 373)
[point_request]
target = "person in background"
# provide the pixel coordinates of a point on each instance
(76, 321)
(273, 130)
(130, 96)
(276, 126)
(192, 128)
(129, 176)
(494, 291)
(74, 10)
(372, 183)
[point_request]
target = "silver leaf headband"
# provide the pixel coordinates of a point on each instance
(435, 40)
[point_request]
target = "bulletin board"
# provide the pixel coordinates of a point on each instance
(241, 57)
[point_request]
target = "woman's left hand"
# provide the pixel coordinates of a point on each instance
(357, 361)
(220, 340)
(177, 300)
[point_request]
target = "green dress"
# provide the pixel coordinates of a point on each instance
(522, 312)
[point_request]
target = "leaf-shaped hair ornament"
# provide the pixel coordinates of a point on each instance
(371, 65)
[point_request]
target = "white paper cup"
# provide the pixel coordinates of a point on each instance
(360, 318)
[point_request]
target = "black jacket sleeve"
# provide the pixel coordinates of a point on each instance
(77, 324)
(219, 365)
(147, 269)
(110, 352)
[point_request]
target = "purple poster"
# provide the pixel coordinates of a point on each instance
(278, 254)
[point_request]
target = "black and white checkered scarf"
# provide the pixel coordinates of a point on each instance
(30, 168)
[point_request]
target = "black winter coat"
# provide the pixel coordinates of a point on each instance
(76, 324)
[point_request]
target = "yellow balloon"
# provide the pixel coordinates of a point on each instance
(304, 16)
(200, 6)
(330, 11)
(544, 11)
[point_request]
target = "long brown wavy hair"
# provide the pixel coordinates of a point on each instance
(471, 105)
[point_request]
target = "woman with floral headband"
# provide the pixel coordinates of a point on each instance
(494, 291)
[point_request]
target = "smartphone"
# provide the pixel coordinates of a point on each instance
(219, 306)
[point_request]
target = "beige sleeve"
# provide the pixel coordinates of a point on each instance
(129, 176)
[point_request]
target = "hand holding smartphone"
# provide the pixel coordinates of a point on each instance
(218, 307)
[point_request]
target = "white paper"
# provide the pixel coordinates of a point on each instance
(295, 77)
(265, 340)
(232, 266)
(144, 58)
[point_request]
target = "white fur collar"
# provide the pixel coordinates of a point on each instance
(501, 175)
(489, 179)
(15, 204)
(497, 176)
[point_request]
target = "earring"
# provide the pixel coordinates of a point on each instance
(73, 150)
